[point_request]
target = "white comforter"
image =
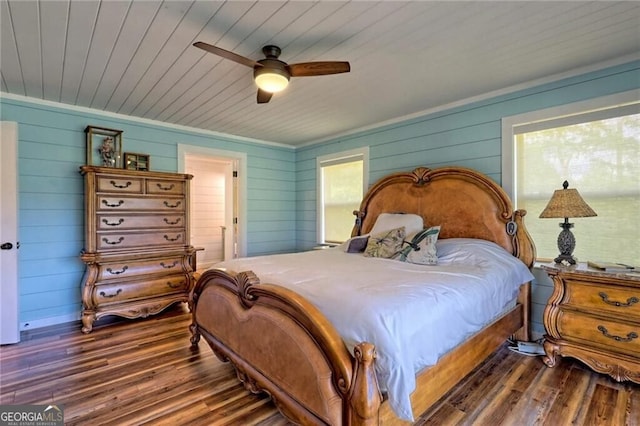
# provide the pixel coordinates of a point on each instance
(413, 314)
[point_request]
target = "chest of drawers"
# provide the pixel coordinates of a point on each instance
(137, 251)
(594, 316)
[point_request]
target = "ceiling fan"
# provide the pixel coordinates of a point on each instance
(271, 74)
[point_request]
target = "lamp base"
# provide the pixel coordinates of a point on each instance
(562, 258)
(566, 243)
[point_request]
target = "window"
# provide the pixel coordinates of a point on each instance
(342, 181)
(598, 152)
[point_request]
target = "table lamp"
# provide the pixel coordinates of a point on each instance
(566, 203)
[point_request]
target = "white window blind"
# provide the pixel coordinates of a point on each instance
(598, 153)
(342, 181)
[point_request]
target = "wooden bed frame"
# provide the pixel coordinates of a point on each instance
(281, 344)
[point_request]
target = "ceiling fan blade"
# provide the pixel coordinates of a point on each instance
(308, 69)
(227, 55)
(264, 97)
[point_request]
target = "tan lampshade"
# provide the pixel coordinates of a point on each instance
(567, 203)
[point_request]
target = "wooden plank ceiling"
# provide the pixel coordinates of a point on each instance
(136, 57)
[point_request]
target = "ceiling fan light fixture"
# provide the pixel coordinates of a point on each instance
(271, 80)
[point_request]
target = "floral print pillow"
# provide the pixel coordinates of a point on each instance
(386, 244)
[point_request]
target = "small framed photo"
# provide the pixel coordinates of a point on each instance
(104, 146)
(133, 161)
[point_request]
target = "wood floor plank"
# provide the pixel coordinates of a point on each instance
(145, 371)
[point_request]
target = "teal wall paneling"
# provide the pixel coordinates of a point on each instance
(281, 193)
(467, 135)
(51, 147)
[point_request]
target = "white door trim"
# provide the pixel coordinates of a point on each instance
(9, 308)
(241, 158)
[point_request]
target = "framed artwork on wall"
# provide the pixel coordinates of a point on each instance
(104, 146)
(133, 161)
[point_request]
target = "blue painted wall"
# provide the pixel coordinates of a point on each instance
(281, 181)
(51, 147)
(468, 135)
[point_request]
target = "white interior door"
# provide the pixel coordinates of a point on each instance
(9, 325)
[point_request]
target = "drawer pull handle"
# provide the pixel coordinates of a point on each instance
(168, 222)
(630, 301)
(168, 266)
(118, 223)
(172, 206)
(113, 243)
(605, 332)
(106, 203)
(166, 237)
(172, 285)
(110, 296)
(112, 272)
(126, 185)
(165, 188)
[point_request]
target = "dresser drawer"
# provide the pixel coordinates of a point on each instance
(615, 336)
(132, 268)
(123, 240)
(111, 203)
(110, 222)
(121, 292)
(171, 187)
(604, 298)
(120, 185)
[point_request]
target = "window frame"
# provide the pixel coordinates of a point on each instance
(333, 159)
(511, 125)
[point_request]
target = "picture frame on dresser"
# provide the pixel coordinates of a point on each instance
(134, 161)
(104, 146)
(137, 252)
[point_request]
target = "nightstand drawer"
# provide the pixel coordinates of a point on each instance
(615, 336)
(605, 298)
(130, 291)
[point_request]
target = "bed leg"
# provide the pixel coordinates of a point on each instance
(365, 397)
(524, 298)
(195, 334)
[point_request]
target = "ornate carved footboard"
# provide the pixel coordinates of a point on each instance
(281, 344)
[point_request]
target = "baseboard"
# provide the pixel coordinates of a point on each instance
(45, 322)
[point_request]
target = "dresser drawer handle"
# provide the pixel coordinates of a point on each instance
(166, 237)
(168, 222)
(629, 337)
(118, 223)
(113, 243)
(110, 296)
(630, 301)
(165, 188)
(106, 203)
(169, 266)
(112, 272)
(172, 285)
(126, 185)
(172, 206)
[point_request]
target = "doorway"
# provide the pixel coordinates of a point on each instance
(216, 208)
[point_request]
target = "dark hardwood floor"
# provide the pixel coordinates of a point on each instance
(134, 372)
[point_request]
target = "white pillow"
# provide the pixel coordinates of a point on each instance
(387, 221)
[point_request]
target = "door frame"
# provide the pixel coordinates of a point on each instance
(10, 308)
(241, 159)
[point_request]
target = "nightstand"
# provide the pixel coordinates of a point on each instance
(594, 316)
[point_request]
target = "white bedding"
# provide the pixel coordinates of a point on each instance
(413, 314)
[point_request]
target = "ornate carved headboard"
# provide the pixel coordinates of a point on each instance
(465, 203)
